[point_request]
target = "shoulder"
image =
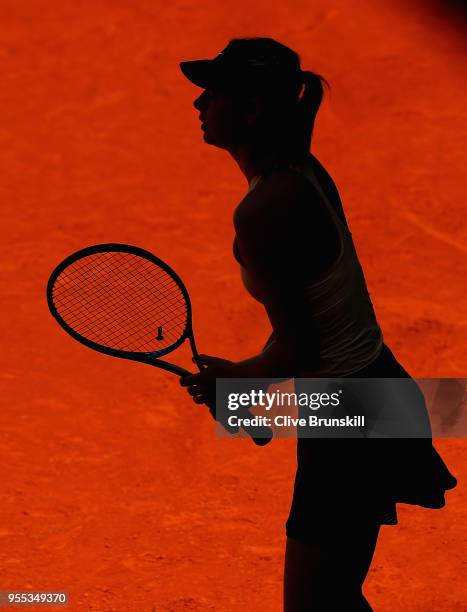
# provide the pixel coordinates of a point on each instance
(285, 218)
(279, 196)
(286, 180)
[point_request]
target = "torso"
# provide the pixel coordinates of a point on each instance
(300, 211)
(329, 242)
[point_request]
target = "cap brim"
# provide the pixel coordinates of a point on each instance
(200, 72)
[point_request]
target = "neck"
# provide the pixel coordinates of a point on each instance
(253, 160)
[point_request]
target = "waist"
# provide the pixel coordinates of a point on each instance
(344, 356)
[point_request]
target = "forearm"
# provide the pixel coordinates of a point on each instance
(280, 359)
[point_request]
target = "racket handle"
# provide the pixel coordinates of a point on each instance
(261, 435)
(262, 441)
(266, 435)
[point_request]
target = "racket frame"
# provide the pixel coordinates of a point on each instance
(152, 357)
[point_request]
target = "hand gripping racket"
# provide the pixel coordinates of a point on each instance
(123, 301)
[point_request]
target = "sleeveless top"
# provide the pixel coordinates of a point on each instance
(339, 304)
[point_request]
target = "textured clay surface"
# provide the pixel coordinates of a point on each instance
(114, 486)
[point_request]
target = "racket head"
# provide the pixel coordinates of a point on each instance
(89, 287)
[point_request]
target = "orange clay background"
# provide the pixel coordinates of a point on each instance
(114, 486)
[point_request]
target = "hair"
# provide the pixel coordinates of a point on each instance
(292, 98)
(303, 120)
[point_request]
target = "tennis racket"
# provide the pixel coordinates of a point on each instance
(125, 302)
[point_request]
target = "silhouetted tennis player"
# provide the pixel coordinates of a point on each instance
(297, 257)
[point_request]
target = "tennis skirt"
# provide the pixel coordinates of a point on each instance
(354, 479)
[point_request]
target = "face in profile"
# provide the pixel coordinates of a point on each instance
(223, 117)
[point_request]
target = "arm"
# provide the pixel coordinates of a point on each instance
(278, 360)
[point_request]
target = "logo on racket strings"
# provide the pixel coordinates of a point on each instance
(160, 335)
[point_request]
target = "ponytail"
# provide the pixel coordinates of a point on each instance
(304, 114)
(292, 123)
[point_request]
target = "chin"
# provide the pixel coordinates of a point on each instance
(212, 141)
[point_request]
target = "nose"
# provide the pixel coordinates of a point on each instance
(200, 101)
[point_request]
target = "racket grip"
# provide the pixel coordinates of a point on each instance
(261, 435)
(264, 440)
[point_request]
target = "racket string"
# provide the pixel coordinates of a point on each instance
(104, 290)
(168, 309)
(123, 301)
(119, 334)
